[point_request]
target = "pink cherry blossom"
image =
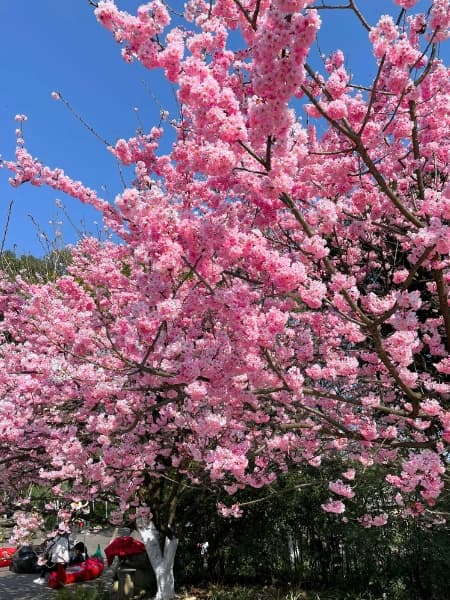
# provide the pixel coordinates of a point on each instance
(349, 474)
(334, 506)
(340, 488)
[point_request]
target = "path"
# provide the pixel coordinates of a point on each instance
(15, 586)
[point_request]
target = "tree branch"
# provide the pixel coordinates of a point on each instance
(443, 303)
(202, 279)
(405, 285)
(416, 148)
(255, 156)
(411, 394)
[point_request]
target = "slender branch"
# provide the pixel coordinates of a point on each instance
(398, 444)
(162, 327)
(137, 419)
(316, 80)
(333, 153)
(342, 125)
(202, 279)
(255, 156)
(275, 369)
(345, 128)
(127, 363)
(279, 492)
(354, 435)
(16, 458)
(264, 173)
(373, 94)
(243, 276)
(267, 391)
(385, 188)
(405, 285)
(425, 72)
(186, 276)
(172, 480)
(350, 6)
(342, 314)
(338, 398)
(328, 7)
(366, 88)
(348, 432)
(418, 80)
(81, 120)
(411, 394)
(6, 228)
(289, 202)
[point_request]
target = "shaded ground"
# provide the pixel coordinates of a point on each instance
(15, 586)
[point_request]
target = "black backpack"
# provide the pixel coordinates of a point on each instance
(25, 560)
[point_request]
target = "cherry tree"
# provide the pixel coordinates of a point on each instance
(279, 291)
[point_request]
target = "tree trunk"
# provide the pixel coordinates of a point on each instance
(162, 562)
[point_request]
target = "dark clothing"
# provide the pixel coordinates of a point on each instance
(47, 568)
(78, 554)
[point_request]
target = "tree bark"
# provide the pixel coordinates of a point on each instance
(161, 561)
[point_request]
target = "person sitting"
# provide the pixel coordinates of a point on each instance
(79, 554)
(56, 553)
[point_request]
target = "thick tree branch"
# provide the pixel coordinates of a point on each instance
(413, 396)
(442, 290)
(416, 149)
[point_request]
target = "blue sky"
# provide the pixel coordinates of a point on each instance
(48, 45)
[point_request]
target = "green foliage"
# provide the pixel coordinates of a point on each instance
(237, 593)
(248, 593)
(34, 269)
(126, 269)
(216, 592)
(285, 538)
(82, 592)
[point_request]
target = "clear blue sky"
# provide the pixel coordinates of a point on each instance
(48, 45)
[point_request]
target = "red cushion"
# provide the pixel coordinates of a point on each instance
(123, 546)
(6, 555)
(91, 568)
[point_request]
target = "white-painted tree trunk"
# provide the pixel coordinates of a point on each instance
(162, 562)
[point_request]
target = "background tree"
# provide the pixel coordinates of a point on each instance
(34, 268)
(280, 292)
(300, 546)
